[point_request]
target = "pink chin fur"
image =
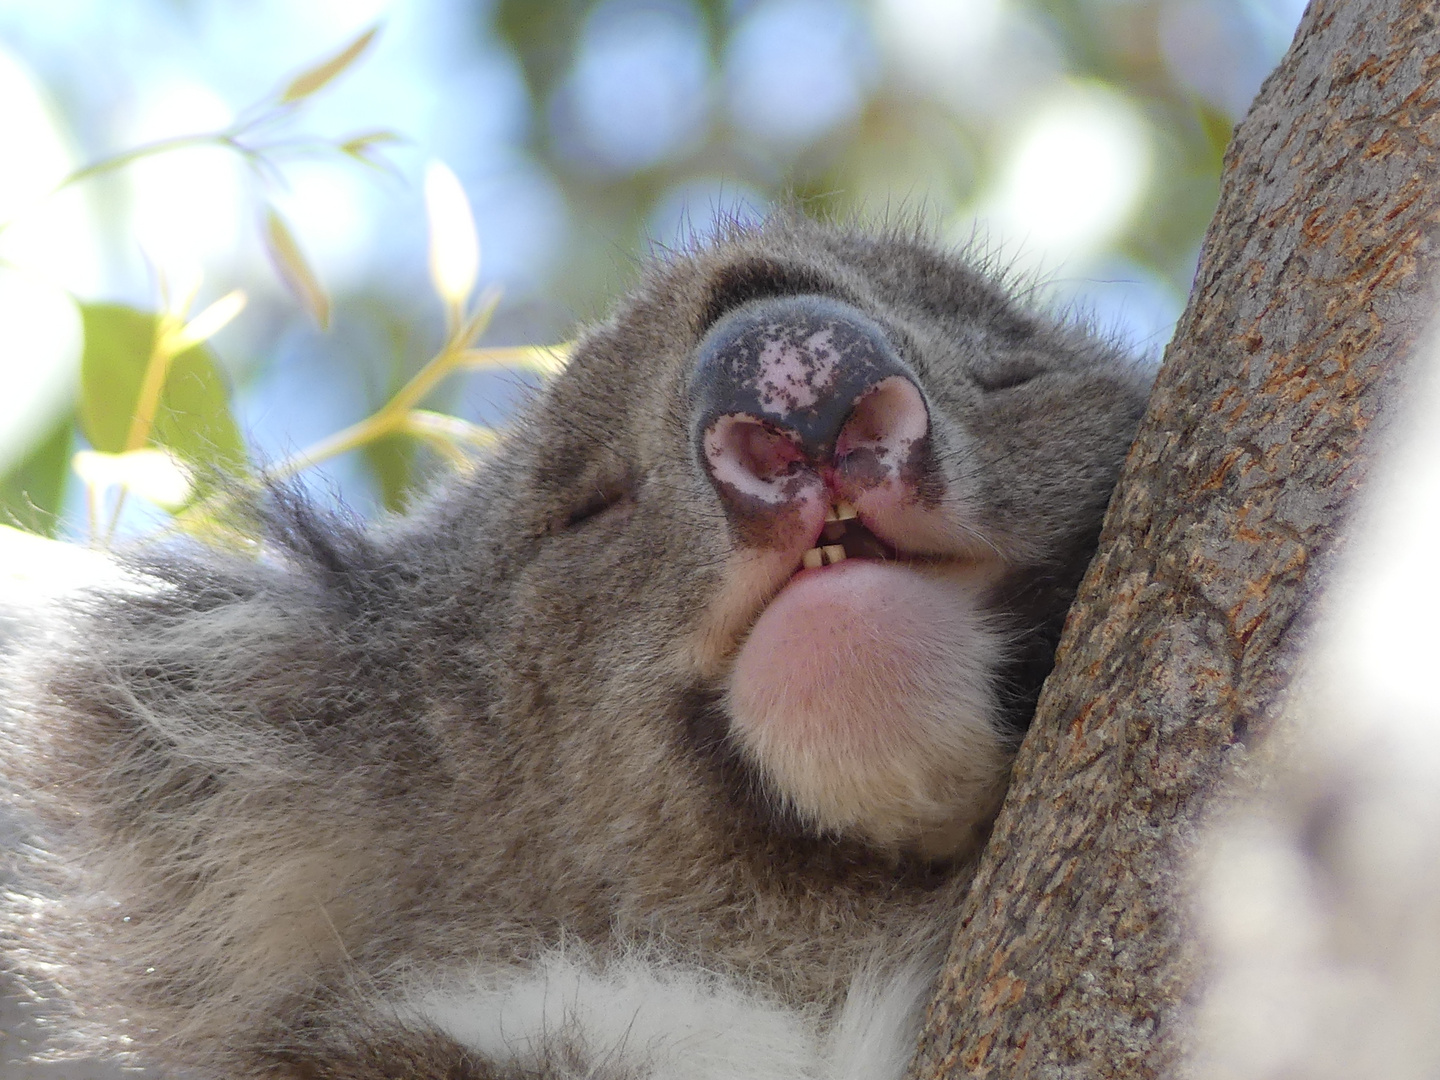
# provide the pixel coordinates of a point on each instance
(854, 694)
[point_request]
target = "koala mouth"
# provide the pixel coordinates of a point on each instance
(845, 537)
(863, 696)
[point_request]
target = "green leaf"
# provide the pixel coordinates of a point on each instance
(313, 78)
(32, 493)
(392, 462)
(193, 420)
(117, 348)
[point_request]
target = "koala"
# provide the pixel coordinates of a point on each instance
(661, 744)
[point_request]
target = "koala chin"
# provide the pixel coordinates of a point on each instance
(865, 697)
(659, 745)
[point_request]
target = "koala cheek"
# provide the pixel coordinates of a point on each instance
(862, 696)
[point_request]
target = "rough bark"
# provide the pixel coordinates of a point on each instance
(1073, 955)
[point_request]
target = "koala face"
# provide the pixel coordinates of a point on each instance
(839, 489)
(694, 700)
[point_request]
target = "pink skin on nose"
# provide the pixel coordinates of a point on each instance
(793, 378)
(875, 450)
(890, 418)
(837, 658)
(853, 688)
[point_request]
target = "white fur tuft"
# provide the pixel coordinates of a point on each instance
(36, 573)
(665, 1020)
(875, 1035)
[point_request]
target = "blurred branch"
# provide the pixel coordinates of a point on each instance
(394, 415)
(267, 112)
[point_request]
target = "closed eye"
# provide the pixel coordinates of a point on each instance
(1006, 374)
(608, 496)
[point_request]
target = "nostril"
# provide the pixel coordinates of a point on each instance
(796, 391)
(749, 454)
(889, 417)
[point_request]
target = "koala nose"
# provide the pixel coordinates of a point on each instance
(796, 387)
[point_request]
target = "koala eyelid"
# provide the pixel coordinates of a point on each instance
(1006, 375)
(606, 496)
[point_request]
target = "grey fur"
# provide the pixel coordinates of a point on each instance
(266, 797)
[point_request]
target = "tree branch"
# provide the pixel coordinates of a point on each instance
(1072, 958)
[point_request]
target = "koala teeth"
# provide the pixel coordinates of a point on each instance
(828, 555)
(836, 518)
(828, 552)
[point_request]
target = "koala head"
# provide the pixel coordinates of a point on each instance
(835, 491)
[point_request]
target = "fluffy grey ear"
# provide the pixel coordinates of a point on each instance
(183, 828)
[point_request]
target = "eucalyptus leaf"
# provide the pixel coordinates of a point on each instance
(313, 78)
(193, 421)
(294, 268)
(391, 460)
(32, 493)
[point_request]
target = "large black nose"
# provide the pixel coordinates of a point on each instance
(801, 383)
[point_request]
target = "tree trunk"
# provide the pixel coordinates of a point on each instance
(1073, 956)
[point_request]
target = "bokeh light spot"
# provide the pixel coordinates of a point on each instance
(639, 91)
(1073, 177)
(797, 68)
(186, 209)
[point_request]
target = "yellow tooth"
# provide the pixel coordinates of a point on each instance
(830, 515)
(844, 511)
(813, 558)
(834, 553)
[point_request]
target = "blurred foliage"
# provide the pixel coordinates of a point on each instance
(32, 492)
(190, 415)
(905, 149)
(916, 144)
(154, 406)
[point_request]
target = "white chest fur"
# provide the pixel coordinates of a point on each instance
(638, 1016)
